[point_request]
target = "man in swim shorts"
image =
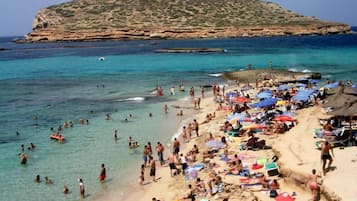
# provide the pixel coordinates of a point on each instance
(152, 168)
(172, 163)
(325, 155)
(176, 146)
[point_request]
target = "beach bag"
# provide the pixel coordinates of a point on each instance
(273, 193)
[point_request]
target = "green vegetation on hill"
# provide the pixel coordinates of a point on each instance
(151, 14)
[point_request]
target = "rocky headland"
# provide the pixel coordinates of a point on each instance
(91, 20)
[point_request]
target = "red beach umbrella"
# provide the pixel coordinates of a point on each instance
(283, 118)
(284, 197)
(241, 99)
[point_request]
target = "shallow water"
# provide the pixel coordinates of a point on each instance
(55, 83)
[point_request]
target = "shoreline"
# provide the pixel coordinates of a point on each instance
(173, 188)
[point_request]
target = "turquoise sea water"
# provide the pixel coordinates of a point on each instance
(64, 81)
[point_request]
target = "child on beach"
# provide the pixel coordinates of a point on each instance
(142, 172)
(313, 185)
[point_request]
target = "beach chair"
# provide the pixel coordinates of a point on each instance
(272, 169)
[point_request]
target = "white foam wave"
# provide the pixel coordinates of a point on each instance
(292, 69)
(138, 99)
(215, 74)
(306, 71)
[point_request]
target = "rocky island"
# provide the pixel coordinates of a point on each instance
(90, 20)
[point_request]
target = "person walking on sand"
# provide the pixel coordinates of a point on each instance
(152, 168)
(142, 174)
(102, 174)
(325, 155)
(313, 185)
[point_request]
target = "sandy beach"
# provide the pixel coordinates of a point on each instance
(297, 156)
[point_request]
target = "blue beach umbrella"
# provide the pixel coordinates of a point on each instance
(332, 85)
(313, 81)
(304, 95)
(264, 94)
(284, 87)
(300, 85)
(265, 103)
(237, 115)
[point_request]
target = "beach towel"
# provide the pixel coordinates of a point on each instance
(245, 181)
(257, 166)
(262, 161)
(198, 166)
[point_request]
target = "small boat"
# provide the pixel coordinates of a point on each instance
(101, 59)
(57, 137)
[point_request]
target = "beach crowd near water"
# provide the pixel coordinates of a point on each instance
(228, 151)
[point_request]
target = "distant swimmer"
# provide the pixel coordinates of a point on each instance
(116, 134)
(23, 159)
(48, 180)
(65, 189)
(31, 147)
(17, 133)
(150, 114)
(101, 58)
(108, 117)
(37, 179)
(130, 139)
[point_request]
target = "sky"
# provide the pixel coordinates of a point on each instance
(16, 16)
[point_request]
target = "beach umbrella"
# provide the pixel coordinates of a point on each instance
(304, 95)
(215, 144)
(265, 103)
(241, 99)
(264, 94)
(313, 81)
(284, 197)
(283, 118)
(331, 85)
(240, 119)
(284, 87)
(339, 100)
(300, 85)
(236, 115)
(342, 89)
(349, 109)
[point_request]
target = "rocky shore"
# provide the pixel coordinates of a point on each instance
(53, 34)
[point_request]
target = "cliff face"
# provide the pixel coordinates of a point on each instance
(85, 20)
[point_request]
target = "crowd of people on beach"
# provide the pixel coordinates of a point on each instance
(180, 160)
